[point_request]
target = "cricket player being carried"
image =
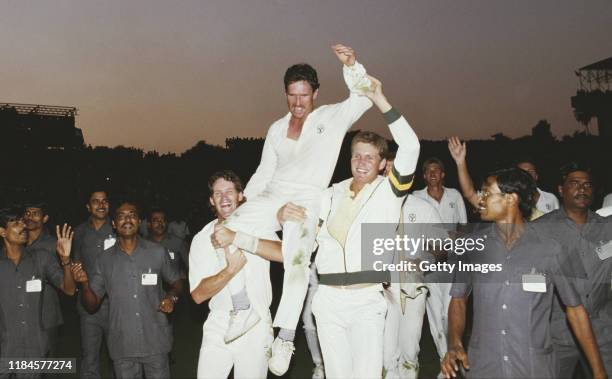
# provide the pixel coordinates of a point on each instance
(297, 163)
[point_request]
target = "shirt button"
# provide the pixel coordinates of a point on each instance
(21, 305)
(135, 296)
(503, 332)
(19, 287)
(504, 307)
(506, 358)
(507, 282)
(137, 314)
(23, 323)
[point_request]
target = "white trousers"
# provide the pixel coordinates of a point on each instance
(310, 328)
(403, 336)
(258, 217)
(351, 323)
(247, 354)
(437, 314)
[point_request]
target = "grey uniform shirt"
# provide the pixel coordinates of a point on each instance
(137, 327)
(21, 327)
(87, 246)
(176, 249)
(52, 312)
(591, 245)
(511, 335)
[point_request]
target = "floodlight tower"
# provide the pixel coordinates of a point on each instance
(594, 96)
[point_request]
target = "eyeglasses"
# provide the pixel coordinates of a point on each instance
(485, 194)
(573, 184)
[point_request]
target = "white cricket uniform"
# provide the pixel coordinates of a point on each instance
(403, 328)
(247, 354)
(298, 171)
(606, 208)
(451, 209)
(547, 202)
(310, 328)
(350, 321)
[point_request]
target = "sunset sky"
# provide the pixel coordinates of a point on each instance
(164, 74)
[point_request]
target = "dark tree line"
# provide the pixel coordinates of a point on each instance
(178, 182)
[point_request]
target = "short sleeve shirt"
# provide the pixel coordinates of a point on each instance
(136, 326)
(21, 328)
(511, 335)
(52, 312)
(591, 246)
(450, 207)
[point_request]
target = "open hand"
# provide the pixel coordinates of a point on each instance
(457, 149)
(64, 241)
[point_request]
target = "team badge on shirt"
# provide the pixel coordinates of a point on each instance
(452, 205)
(548, 207)
(411, 217)
(320, 129)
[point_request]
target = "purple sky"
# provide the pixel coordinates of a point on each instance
(164, 74)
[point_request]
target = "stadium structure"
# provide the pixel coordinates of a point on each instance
(594, 96)
(39, 126)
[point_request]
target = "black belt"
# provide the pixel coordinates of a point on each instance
(350, 278)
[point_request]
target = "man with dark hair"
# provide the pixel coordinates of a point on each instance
(22, 273)
(217, 274)
(91, 239)
(35, 218)
(131, 273)
(348, 306)
(588, 238)
(545, 201)
(297, 163)
(512, 303)
(158, 232)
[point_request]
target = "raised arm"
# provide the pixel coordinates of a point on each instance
(357, 82)
(64, 244)
(458, 151)
(402, 172)
(211, 285)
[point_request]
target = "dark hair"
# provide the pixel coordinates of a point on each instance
(156, 210)
(299, 72)
(40, 205)
(228, 175)
(93, 190)
(573, 166)
(525, 159)
(515, 180)
(130, 202)
(10, 214)
(374, 139)
(432, 160)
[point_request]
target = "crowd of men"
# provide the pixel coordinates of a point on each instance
(546, 314)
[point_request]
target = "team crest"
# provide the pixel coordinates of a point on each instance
(548, 207)
(320, 129)
(411, 217)
(452, 205)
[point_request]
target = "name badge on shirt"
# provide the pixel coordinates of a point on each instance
(171, 254)
(149, 279)
(109, 242)
(604, 251)
(534, 282)
(34, 285)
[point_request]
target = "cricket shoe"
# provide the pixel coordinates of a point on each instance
(240, 322)
(281, 356)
